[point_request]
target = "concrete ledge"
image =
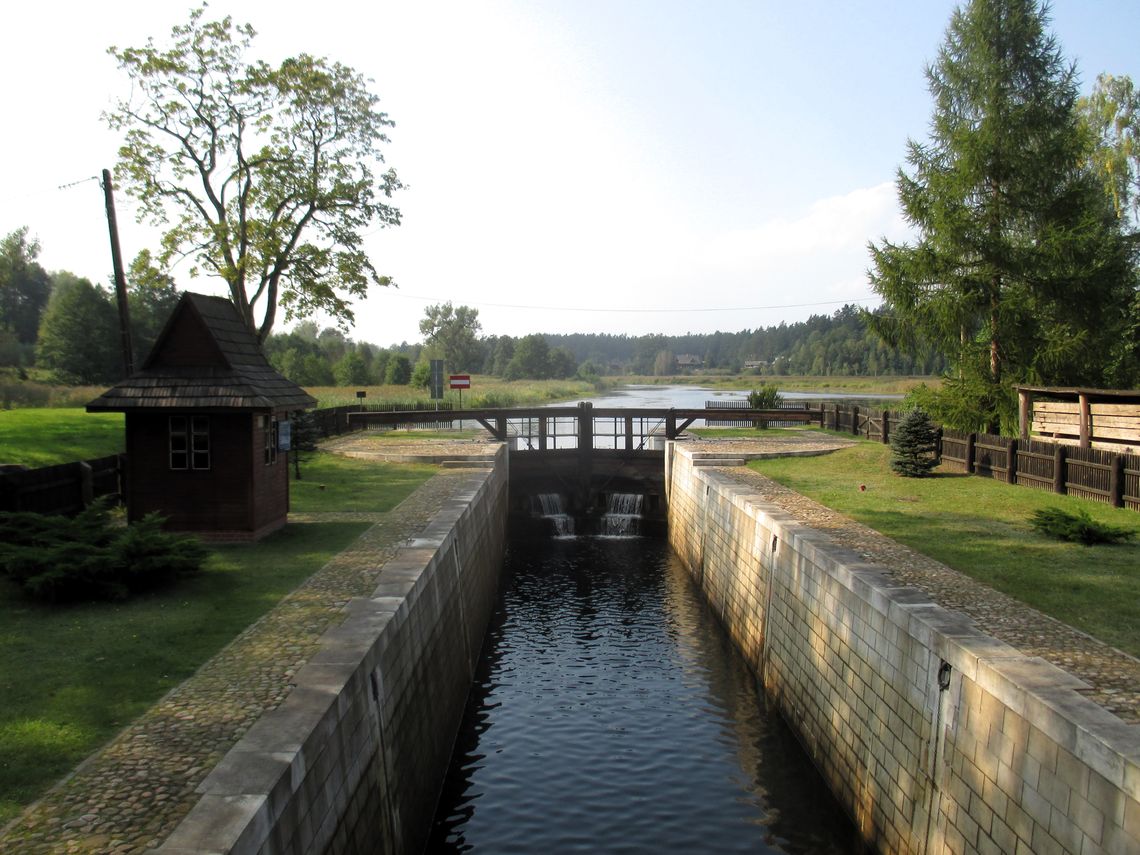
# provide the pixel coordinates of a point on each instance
(371, 719)
(1006, 747)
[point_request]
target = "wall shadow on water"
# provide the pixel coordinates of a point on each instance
(610, 713)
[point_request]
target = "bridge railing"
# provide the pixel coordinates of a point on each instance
(585, 427)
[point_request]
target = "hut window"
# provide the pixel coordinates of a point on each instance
(269, 428)
(189, 442)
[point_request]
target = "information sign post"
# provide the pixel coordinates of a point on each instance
(437, 379)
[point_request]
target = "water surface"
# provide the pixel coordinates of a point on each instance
(610, 714)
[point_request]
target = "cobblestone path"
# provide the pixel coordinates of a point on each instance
(130, 795)
(1113, 676)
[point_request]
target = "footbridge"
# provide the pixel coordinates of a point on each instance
(586, 453)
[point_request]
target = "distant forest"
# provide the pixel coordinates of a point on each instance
(823, 345)
(61, 327)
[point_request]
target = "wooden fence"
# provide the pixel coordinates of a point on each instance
(740, 404)
(1089, 473)
(65, 488)
(68, 488)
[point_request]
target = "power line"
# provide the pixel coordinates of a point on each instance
(641, 309)
(71, 184)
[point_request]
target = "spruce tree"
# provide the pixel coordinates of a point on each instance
(1020, 272)
(914, 444)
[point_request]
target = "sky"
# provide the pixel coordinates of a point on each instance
(611, 166)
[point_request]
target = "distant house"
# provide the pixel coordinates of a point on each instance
(689, 360)
(203, 426)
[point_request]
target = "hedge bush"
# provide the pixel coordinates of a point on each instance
(1077, 527)
(90, 556)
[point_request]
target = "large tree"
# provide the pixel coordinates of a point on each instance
(268, 176)
(1020, 272)
(1112, 114)
(453, 334)
(152, 296)
(24, 286)
(79, 333)
(531, 359)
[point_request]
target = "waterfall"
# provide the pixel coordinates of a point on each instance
(550, 507)
(623, 515)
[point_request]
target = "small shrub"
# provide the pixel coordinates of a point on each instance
(914, 444)
(89, 556)
(767, 397)
(1077, 527)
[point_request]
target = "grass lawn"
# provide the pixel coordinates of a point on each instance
(980, 527)
(71, 677)
(43, 436)
(331, 483)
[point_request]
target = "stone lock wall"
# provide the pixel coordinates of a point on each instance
(352, 760)
(934, 736)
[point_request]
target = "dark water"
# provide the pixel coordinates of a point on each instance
(610, 714)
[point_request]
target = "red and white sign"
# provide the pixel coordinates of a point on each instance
(460, 381)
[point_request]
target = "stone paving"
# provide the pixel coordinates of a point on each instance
(1113, 677)
(373, 446)
(130, 795)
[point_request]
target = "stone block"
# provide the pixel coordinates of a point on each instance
(220, 824)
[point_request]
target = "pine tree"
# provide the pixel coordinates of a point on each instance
(914, 444)
(1020, 273)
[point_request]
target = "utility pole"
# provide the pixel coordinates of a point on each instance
(120, 279)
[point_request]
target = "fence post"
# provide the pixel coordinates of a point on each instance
(970, 439)
(885, 428)
(9, 493)
(855, 420)
(1011, 461)
(1059, 474)
(1116, 481)
(86, 483)
(121, 477)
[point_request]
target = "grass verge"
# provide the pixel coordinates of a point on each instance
(981, 527)
(331, 483)
(71, 677)
(486, 391)
(46, 436)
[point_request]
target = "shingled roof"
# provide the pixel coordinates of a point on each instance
(205, 358)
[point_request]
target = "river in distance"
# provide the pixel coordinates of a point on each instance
(610, 713)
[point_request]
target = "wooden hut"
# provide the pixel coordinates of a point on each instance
(204, 426)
